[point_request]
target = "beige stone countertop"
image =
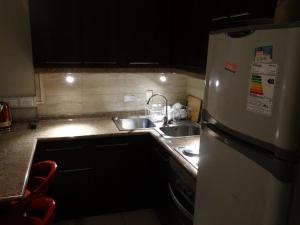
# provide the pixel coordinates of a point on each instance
(18, 146)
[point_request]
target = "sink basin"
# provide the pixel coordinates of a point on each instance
(133, 123)
(181, 131)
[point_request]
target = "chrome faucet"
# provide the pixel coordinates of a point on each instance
(166, 120)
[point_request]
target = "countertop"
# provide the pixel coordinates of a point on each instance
(18, 146)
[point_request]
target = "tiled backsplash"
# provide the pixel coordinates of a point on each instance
(195, 87)
(93, 93)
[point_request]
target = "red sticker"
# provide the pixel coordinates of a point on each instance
(230, 67)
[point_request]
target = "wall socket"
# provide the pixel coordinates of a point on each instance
(27, 102)
(12, 102)
(129, 98)
(149, 93)
(21, 102)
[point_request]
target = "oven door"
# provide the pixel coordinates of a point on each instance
(182, 209)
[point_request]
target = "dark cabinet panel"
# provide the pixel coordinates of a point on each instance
(74, 187)
(231, 13)
(101, 175)
(99, 30)
(56, 33)
(124, 176)
(190, 26)
(84, 33)
(134, 33)
(145, 36)
(193, 19)
(74, 193)
(249, 8)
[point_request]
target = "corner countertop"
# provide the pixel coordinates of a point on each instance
(18, 146)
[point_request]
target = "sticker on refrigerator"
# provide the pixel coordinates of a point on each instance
(264, 54)
(261, 88)
(230, 66)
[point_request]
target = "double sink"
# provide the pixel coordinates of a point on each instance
(180, 129)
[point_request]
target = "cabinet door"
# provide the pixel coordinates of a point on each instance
(190, 25)
(104, 175)
(100, 46)
(144, 32)
(124, 177)
(74, 187)
(56, 32)
(249, 8)
(231, 13)
(74, 192)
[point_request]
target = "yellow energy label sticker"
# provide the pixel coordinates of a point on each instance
(261, 88)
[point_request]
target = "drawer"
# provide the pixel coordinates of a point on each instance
(67, 156)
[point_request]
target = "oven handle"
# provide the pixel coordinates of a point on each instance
(178, 204)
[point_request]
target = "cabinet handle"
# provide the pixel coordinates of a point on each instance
(75, 170)
(178, 204)
(100, 63)
(231, 16)
(61, 62)
(240, 15)
(63, 149)
(143, 63)
(219, 18)
(112, 145)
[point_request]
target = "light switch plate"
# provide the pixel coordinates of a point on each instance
(27, 102)
(12, 102)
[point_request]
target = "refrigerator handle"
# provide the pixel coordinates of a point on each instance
(239, 34)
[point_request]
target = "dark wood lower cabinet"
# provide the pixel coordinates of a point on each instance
(74, 192)
(104, 175)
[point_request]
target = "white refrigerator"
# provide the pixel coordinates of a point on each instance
(248, 157)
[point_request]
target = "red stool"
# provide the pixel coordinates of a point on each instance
(41, 176)
(40, 211)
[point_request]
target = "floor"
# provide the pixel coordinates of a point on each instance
(141, 217)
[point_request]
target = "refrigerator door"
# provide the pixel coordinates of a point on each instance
(258, 99)
(238, 189)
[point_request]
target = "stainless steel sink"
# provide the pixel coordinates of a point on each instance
(133, 123)
(180, 130)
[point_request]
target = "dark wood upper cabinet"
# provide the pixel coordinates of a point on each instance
(56, 34)
(253, 8)
(232, 13)
(134, 33)
(99, 31)
(192, 20)
(190, 27)
(85, 33)
(144, 32)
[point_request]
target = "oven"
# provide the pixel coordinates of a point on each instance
(181, 187)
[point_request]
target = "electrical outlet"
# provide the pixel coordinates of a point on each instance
(129, 98)
(149, 93)
(27, 102)
(12, 102)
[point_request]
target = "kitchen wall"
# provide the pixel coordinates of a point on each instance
(97, 92)
(195, 86)
(16, 67)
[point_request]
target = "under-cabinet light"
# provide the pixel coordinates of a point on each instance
(70, 79)
(163, 78)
